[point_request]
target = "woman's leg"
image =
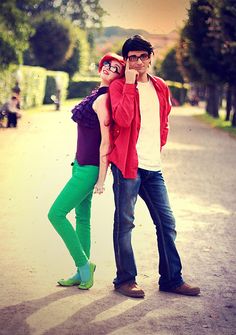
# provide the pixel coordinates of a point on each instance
(76, 190)
(83, 214)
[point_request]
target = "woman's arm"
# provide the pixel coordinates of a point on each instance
(101, 108)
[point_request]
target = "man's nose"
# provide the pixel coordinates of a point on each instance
(139, 61)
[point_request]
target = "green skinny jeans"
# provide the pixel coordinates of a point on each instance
(77, 194)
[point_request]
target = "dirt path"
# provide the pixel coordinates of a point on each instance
(199, 166)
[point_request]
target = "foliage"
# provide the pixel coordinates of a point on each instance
(203, 30)
(79, 89)
(79, 61)
(179, 95)
(185, 61)
(207, 47)
(15, 30)
(208, 41)
(83, 13)
(168, 70)
(169, 67)
(56, 80)
(53, 41)
(32, 86)
(227, 14)
(7, 82)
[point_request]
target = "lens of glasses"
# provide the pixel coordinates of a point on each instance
(106, 64)
(133, 58)
(144, 57)
(114, 69)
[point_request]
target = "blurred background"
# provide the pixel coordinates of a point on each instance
(49, 50)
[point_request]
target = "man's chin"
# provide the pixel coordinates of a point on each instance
(142, 71)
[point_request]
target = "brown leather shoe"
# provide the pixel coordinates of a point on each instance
(184, 289)
(130, 290)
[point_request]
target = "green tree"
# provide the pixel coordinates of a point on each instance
(53, 41)
(188, 68)
(169, 68)
(207, 47)
(227, 15)
(185, 61)
(15, 29)
(203, 30)
(79, 61)
(83, 13)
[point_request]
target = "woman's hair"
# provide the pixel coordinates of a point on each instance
(109, 57)
(136, 43)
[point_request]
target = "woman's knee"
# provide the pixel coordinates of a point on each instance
(54, 215)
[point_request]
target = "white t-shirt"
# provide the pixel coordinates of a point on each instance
(148, 145)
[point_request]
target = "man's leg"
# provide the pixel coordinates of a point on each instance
(153, 191)
(125, 195)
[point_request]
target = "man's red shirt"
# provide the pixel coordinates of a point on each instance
(126, 122)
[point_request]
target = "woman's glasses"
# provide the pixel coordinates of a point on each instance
(113, 69)
(142, 57)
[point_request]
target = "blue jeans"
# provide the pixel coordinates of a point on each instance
(150, 185)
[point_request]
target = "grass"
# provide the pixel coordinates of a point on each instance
(219, 123)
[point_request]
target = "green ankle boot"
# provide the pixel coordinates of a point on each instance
(89, 283)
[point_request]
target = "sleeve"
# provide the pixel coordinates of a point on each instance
(167, 112)
(122, 98)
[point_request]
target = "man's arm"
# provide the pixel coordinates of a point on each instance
(167, 112)
(123, 98)
(122, 102)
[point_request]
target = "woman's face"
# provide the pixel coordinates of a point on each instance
(110, 70)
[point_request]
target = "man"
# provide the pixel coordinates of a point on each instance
(140, 108)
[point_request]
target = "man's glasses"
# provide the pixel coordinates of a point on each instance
(113, 69)
(134, 58)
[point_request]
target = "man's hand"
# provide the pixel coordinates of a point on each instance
(130, 74)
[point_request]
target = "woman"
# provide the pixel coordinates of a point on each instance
(88, 173)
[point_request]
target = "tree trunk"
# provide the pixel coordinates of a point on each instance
(228, 102)
(182, 96)
(221, 93)
(212, 106)
(234, 106)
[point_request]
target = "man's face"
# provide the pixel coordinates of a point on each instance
(139, 61)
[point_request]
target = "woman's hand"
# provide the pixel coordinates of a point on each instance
(99, 188)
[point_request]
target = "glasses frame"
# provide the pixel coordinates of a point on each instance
(110, 67)
(143, 57)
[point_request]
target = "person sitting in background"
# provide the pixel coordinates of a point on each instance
(11, 110)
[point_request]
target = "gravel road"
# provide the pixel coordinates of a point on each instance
(199, 164)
